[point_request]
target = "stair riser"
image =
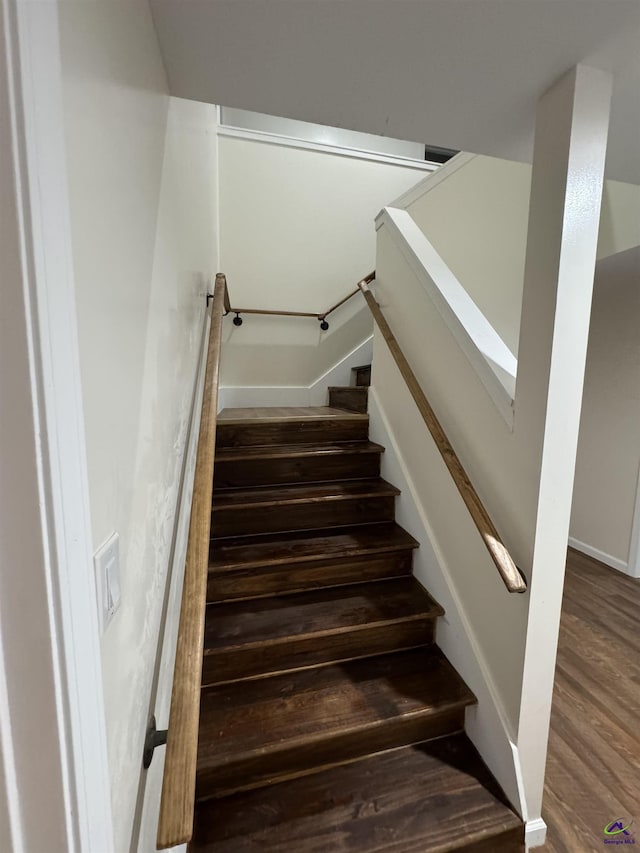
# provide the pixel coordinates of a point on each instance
(361, 376)
(293, 653)
(293, 432)
(252, 771)
(349, 399)
(297, 469)
(261, 581)
(303, 516)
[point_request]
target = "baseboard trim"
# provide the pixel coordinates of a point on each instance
(315, 394)
(535, 833)
(340, 373)
(602, 556)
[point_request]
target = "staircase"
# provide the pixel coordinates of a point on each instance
(330, 721)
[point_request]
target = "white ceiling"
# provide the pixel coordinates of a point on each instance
(461, 74)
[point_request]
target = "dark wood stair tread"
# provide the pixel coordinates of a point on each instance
(269, 414)
(290, 451)
(282, 633)
(254, 731)
(268, 564)
(249, 461)
(336, 609)
(261, 715)
(430, 798)
(263, 496)
(246, 511)
(269, 427)
(244, 552)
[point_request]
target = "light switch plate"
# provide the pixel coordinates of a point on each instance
(106, 561)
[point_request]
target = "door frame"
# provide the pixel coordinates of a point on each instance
(73, 741)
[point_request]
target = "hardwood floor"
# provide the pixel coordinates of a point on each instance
(593, 766)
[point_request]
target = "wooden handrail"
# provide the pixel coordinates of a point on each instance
(273, 313)
(365, 280)
(509, 572)
(175, 825)
(317, 316)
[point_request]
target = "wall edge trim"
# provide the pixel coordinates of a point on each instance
(262, 137)
(470, 332)
(430, 182)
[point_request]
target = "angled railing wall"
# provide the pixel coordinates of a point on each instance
(516, 441)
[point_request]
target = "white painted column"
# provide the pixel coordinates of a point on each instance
(568, 170)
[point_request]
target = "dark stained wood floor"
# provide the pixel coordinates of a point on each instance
(329, 720)
(593, 767)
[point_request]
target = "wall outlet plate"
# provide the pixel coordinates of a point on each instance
(106, 561)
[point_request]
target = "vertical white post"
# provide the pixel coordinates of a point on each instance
(568, 172)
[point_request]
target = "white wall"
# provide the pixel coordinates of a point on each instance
(296, 234)
(477, 220)
(142, 172)
(609, 446)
